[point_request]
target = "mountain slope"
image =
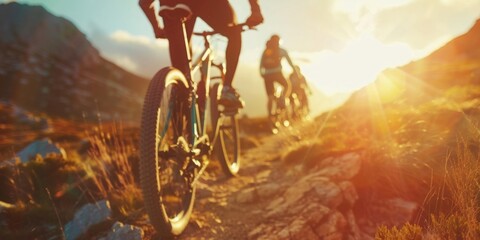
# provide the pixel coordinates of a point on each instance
(48, 66)
(456, 63)
(412, 126)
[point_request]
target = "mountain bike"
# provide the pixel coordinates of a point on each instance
(174, 142)
(279, 112)
(299, 106)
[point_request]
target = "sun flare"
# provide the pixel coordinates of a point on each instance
(356, 65)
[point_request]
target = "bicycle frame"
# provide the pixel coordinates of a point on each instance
(199, 91)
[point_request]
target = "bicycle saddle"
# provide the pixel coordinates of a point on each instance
(179, 11)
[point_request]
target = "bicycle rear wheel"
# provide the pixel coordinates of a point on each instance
(168, 196)
(225, 122)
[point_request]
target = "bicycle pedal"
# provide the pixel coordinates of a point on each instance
(199, 173)
(197, 163)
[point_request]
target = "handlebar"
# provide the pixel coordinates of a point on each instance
(210, 33)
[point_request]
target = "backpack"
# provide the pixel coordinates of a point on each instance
(271, 59)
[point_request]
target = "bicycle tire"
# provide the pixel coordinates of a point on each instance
(168, 198)
(228, 140)
(281, 116)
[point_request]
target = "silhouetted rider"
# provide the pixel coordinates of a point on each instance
(219, 15)
(300, 87)
(271, 69)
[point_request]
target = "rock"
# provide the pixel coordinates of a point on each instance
(329, 194)
(341, 168)
(315, 213)
(352, 225)
(334, 224)
(87, 216)
(246, 195)
(257, 231)
(304, 185)
(42, 147)
(268, 190)
(124, 231)
(349, 192)
(25, 118)
(260, 192)
(298, 229)
(276, 207)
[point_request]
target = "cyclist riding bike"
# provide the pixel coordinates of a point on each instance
(300, 88)
(271, 70)
(219, 15)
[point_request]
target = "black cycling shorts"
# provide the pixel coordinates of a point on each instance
(270, 79)
(218, 14)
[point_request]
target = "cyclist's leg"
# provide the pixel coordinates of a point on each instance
(305, 100)
(174, 32)
(270, 91)
(285, 84)
(219, 15)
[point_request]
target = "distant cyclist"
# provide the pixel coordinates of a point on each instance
(271, 70)
(219, 15)
(300, 88)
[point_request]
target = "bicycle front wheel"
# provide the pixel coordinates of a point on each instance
(228, 142)
(168, 196)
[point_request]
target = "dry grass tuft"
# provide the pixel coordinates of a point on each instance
(113, 159)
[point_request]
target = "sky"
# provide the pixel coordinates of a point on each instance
(341, 45)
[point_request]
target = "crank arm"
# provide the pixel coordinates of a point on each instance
(199, 173)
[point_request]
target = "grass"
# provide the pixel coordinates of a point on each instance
(113, 167)
(31, 187)
(454, 212)
(422, 150)
(432, 158)
(46, 192)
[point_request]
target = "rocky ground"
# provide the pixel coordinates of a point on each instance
(276, 196)
(288, 188)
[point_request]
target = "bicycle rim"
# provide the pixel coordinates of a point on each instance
(230, 144)
(228, 148)
(167, 194)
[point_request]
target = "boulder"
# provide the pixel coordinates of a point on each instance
(42, 147)
(124, 231)
(87, 216)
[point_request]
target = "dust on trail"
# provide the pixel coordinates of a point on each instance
(218, 214)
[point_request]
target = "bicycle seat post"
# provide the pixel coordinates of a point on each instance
(187, 72)
(185, 39)
(182, 13)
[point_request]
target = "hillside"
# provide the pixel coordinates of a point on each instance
(416, 125)
(48, 66)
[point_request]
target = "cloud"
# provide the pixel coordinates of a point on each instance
(307, 25)
(138, 54)
(424, 24)
(356, 8)
(314, 25)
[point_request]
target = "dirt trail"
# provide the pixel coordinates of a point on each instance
(218, 214)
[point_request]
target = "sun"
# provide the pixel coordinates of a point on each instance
(356, 65)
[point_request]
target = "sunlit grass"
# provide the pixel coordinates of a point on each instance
(453, 206)
(415, 148)
(46, 192)
(112, 163)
